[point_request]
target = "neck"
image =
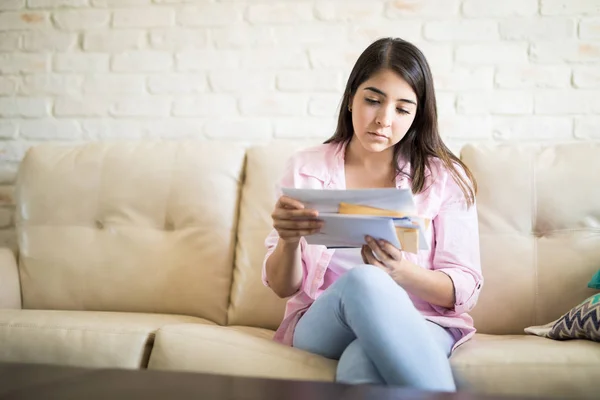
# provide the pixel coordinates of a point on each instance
(356, 155)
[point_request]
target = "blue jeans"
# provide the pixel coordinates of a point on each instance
(368, 322)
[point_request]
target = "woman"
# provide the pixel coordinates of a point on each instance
(389, 316)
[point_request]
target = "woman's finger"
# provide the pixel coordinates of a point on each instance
(290, 234)
(297, 225)
(289, 203)
(378, 251)
(285, 214)
(363, 254)
(369, 258)
(392, 251)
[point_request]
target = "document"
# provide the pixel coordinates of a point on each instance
(341, 230)
(329, 200)
(349, 229)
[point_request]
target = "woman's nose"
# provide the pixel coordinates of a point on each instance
(384, 117)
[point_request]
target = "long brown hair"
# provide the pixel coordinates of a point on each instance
(422, 142)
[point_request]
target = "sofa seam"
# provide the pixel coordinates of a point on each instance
(87, 329)
(587, 229)
(535, 241)
(167, 203)
(144, 360)
(233, 345)
(236, 242)
(527, 365)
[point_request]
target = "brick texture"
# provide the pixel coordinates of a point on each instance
(255, 71)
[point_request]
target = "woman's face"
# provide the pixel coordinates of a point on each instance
(383, 109)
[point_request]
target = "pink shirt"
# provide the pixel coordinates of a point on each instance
(454, 239)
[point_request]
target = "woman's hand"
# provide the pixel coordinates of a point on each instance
(434, 287)
(292, 221)
(389, 258)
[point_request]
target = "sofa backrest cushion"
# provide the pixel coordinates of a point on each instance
(539, 219)
(138, 227)
(252, 303)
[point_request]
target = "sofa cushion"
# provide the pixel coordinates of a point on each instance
(528, 365)
(10, 288)
(129, 226)
(538, 222)
(233, 350)
(252, 304)
(80, 338)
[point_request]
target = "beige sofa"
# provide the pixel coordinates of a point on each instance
(148, 255)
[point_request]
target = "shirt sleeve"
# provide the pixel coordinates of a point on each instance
(457, 248)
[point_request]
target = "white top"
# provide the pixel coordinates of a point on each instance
(344, 260)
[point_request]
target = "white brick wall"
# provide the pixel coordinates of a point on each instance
(258, 70)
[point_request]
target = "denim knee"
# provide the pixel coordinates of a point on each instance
(365, 280)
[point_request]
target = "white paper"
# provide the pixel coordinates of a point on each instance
(343, 230)
(328, 201)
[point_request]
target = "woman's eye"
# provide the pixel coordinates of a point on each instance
(402, 111)
(372, 101)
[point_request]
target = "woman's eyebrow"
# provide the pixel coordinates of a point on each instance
(374, 89)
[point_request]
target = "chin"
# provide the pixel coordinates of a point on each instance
(375, 147)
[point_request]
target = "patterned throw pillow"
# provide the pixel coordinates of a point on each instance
(581, 322)
(595, 282)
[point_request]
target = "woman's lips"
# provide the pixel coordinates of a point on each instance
(379, 135)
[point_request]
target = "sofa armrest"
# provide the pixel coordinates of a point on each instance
(10, 286)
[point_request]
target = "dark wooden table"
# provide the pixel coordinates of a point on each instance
(30, 381)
